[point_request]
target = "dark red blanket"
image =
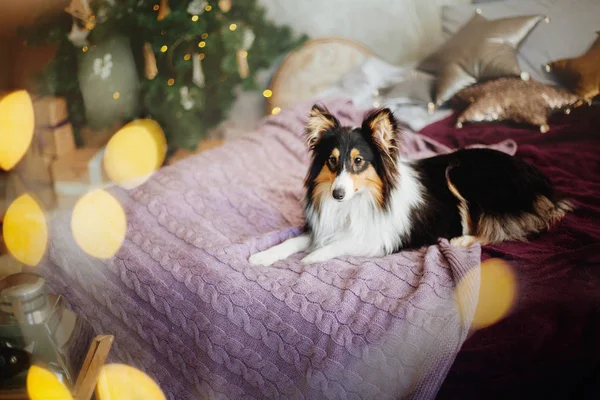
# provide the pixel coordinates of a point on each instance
(549, 346)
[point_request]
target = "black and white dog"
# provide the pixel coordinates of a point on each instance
(363, 199)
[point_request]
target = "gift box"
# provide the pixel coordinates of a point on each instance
(53, 132)
(32, 176)
(77, 173)
(56, 142)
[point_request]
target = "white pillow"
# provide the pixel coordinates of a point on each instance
(569, 33)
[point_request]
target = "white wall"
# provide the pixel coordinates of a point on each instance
(396, 30)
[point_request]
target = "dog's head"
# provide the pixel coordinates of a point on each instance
(350, 161)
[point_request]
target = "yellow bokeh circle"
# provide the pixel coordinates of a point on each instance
(135, 152)
(16, 127)
(25, 230)
(44, 385)
(99, 224)
(497, 292)
(122, 382)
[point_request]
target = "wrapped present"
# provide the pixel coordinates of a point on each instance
(32, 176)
(53, 133)
(56, 141)
(77, 173)
(50, 111)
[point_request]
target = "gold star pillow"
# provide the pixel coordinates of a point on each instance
(526, 102)
(481, 50)
(581, 75)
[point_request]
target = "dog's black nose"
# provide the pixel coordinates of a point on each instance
(339, 194)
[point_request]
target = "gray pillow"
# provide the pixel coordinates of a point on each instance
(569, 32)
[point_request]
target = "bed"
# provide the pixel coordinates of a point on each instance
(187, 308)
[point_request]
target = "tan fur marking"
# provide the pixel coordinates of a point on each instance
(383, 129)
(336, 153)
(370, 180)
(323, 183)
(318, 123)
(463, 208)
(354, 153)
(493, 229)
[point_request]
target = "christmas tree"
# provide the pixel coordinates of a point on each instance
(175, 61)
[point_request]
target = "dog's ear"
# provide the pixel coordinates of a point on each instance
(383, 128)
(319, 122)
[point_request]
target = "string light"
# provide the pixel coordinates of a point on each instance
(170, 82)
(163, 49)
(116, 95)
(202, 44)
(194, 18)
(208, 8)
(156, 7)
(204, 35)
(84, 49)
(232, 27)
(275, 110)
(267, 93)
(201, 56)
(244, 53)
(187, 57)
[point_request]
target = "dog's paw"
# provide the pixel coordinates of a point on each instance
(263, 259)
(464, 241)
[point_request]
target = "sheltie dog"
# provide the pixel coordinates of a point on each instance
(362, 199)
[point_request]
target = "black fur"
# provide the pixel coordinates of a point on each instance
(491, 181)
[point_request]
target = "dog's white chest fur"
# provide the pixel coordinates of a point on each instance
(360, 225)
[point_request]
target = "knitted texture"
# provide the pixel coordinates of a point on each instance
(186, 307)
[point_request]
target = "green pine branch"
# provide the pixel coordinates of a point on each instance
(160, 98)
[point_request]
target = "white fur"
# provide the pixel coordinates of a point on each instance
(343, 181)
(281, 251)
(356, 227)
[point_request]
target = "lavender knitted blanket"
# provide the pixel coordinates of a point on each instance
(186, 307)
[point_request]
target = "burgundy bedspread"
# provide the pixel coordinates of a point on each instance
(549, 347)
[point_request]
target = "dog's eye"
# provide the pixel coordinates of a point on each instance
(332, 160)
(358, 160)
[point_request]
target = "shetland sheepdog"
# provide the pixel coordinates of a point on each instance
(364, 200)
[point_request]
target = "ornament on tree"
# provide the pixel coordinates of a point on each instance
(110, 95)
(242, 62)
(80, 9)
(163, 10)
(102, 67)
(150, 68)
(78, 35)
(197, 7)
(186, 98)
(242, 54)
(224, 5)
(198, 74)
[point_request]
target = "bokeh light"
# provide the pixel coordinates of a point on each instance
(16, 127)
(122, 382)
(25, 230)
(135, 152)
(497, 292)
(267, 93)
(44, 385)
(99, 224)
